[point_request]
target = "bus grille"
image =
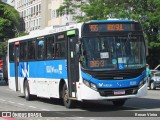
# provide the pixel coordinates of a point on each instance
(116, 74)
(110, 92)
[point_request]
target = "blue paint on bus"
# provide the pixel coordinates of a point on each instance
(56, 69)
(114, 83)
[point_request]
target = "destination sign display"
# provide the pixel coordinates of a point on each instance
(110, 27)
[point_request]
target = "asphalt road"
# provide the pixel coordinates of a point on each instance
(135, 108)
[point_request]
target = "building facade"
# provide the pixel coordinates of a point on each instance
(50, 17)
(55, 18)
(38, 14)
(30, 14)
(8, 2)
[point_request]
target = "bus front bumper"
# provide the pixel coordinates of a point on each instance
(86, 93)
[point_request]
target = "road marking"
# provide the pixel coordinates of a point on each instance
(20, 104)
(11, 102)
(45, 110)
(2, 100)
(32, 107)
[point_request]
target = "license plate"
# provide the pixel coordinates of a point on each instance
(119, 92)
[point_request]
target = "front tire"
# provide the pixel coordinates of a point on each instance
(65, 95)
(119, 102)
(27, 94)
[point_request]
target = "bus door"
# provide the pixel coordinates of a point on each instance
(16, 59)
(72, 62)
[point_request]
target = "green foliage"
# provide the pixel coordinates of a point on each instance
(67, 8)
(9, 20)
(145, 11)
(22, 33)
(9, 24)
(3, 47)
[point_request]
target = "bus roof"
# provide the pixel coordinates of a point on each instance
(111, 21)
(51, 30)
(45, 31)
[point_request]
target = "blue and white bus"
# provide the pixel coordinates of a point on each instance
(96, 60)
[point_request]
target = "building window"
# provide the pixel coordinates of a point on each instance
(53, 14)
(36, 9)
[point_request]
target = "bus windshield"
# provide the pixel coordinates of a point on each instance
(113, 53)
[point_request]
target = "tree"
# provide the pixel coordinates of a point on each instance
(145, 11)
(9, 21)
(9, 24)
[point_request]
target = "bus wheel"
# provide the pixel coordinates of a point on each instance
(67, 102)
(27, 91)
(119, 102)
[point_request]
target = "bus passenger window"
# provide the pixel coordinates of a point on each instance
(60, 50)
(40, 49)
(31, 48)
(50, 47)
(11, 52)
(23, 51)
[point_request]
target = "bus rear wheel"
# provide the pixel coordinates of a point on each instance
(68, 103)
(119, 102)
(27, 94)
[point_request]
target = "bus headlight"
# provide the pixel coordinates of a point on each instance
(142, 82)
(89, 84)
(93, 86)
(86, 83)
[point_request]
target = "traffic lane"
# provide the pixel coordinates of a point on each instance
(149, 102)
(134, 104)
(92, 109)
(16, 99)
(88, 109)
(44, 104)
(144, 104)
